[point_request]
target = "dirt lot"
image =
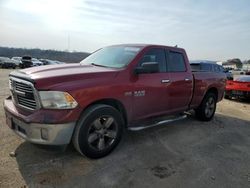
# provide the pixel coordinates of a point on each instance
(188, 153)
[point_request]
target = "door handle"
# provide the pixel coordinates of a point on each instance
(186, 79)
(165, 81)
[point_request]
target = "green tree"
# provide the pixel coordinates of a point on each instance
(236, 61)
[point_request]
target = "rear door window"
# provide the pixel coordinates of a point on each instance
(176, 62)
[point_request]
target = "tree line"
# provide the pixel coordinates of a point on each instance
(64, 56)
(237, 62)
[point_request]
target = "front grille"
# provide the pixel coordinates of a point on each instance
(29, 103)
(23, 87)
(23, 93)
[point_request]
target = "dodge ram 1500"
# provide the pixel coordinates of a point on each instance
(131, 86)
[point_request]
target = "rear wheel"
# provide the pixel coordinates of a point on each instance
(98, 131)
(206, 110)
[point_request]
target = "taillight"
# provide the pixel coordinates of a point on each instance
(248, 85)
(230, 84)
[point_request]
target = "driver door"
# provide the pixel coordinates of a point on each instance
(150, 96)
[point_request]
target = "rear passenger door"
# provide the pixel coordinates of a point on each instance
(181, 81)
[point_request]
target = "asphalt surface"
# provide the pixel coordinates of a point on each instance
(187, 153)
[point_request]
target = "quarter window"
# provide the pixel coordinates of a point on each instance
(216, 68)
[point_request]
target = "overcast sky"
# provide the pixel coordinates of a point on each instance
(207, 29)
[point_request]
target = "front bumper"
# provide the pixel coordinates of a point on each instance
(39, 133)
(238, 93)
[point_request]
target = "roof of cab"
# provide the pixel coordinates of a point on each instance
(148, 45)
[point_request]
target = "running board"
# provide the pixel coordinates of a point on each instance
(158, 123)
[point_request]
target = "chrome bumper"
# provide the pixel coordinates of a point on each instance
(47, 134)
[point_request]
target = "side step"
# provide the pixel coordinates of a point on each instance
(156, 123)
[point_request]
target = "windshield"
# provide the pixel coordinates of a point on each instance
(114, 56)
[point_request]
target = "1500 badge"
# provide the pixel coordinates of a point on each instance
(139, 93)
(135, 93)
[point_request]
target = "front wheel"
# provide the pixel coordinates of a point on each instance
(98, 131)
(206, 110)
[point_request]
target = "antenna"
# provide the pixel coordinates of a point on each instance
(176, 46)
(68, 42)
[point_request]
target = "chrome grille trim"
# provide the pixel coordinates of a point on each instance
(24, 94)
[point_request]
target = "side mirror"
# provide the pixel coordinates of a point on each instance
(147, 67)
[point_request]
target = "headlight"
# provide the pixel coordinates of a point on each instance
(57, 100)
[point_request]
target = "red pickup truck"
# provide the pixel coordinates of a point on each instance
(116, 87)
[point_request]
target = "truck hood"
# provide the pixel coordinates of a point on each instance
(63, 70)
(49, 75)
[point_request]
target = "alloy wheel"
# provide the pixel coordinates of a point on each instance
(210, 106)
(102, 133)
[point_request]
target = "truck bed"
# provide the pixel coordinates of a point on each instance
(202, 82)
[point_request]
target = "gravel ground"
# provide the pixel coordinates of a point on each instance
(187, 153)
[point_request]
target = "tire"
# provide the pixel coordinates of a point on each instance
(98, 131)
(229, 97)
(206, 110)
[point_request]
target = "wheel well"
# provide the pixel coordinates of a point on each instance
(114, 103)
(213, 90)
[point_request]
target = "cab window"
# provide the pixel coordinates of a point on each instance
(176, 62)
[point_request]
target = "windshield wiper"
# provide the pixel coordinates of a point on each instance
(99, 65)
